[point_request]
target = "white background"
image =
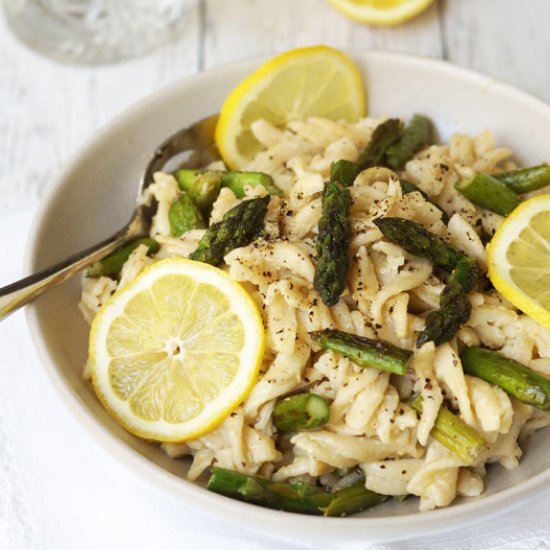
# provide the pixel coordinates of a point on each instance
(58, 489)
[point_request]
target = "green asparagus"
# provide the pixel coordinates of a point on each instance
(304, 411)
(205, 190)
(389, 145)
(489, 192)
(111, 265)
(352, 500)
(420, 242)
(408, 187)
(416, 135)
(462, 280)
(344, 172)
(184, 215)
(332, 243)
(526, 180)
(236, 181)
(291, 497)
(455, 308)
(240, 226)
(442, 324)
(364, 351)
(514, 378)
(384, 135)
(186, 178)
(450, 430)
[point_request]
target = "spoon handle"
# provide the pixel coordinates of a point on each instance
(196, 143)
(17, 294)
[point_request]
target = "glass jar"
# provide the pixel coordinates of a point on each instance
(95, 31)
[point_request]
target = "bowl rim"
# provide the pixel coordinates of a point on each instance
(257, 518)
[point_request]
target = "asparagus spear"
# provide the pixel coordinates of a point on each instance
(205, 190)
(408, 187)
(236, 181)
(384, 135)
(240, 226)
(352, 500)
(416, 135)
(291, 497)
(344, 172)
(418, 241)
(111, 265)
(526, 179)
(442, 324)
(514, 378)
(364, 351)
(489, 192)
(332, 243)
(383, 139)
(304, 411)
(390, 145)
(186, 179)
(184, 215)
(451, 431)
(462, 280)
(455, 308)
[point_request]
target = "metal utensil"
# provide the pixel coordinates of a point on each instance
(192, 147)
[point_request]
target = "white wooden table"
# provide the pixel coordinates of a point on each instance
(57, 488)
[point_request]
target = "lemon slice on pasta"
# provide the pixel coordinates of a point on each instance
(301, 83)
(175, 351)
(519, 258)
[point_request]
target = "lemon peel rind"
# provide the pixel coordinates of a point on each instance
(508, 231)
(210, 417)
(237, 101)
(380, 17)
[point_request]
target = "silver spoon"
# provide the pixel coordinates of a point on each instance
(192, 147)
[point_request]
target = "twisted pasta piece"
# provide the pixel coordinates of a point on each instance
(283, 375)
(435, 481)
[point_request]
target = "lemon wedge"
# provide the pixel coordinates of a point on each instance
(381, 12)
(315, 81)
(519, 258)
(175, 351)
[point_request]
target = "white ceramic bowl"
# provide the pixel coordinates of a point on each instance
(95, 194)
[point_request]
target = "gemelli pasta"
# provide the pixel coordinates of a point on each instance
(372, 429)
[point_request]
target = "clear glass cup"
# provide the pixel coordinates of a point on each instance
(94, 31)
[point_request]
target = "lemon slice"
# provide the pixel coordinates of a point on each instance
(519, 258)
(174, 352)
(381, 12)
(316, 81)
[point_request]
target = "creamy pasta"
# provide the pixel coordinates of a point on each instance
(371, 428)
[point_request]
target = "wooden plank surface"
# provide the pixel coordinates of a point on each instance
(506, 39)
(48, 109)
(242, 28)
